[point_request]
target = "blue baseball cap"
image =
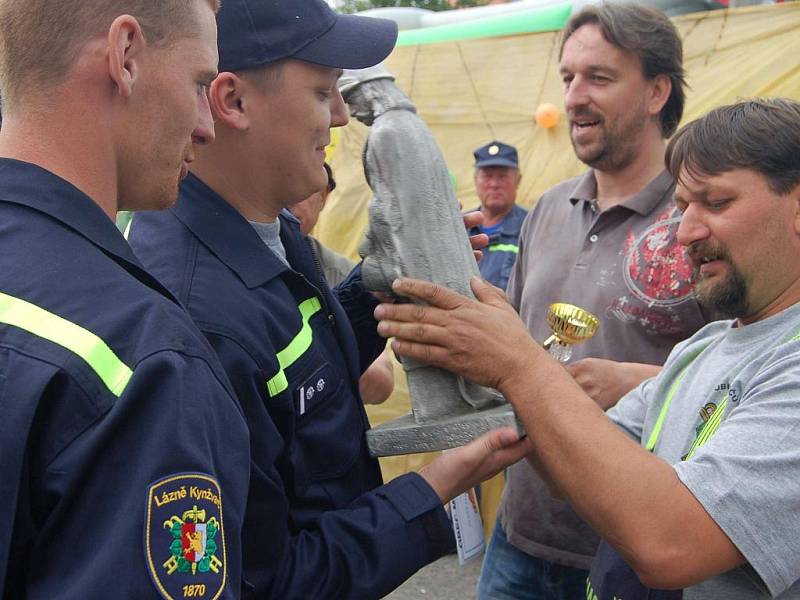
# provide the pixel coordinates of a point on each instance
(496, 154)
(252, 33)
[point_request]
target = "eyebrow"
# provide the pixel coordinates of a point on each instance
(593, 69)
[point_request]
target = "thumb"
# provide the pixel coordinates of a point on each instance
(497, 439)
(485, 292)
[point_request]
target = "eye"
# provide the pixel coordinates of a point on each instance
(717, 205)
(567, 79)
(600, 78)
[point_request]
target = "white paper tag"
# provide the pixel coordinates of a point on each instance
(467, 526)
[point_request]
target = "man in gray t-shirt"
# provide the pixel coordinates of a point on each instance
(700, 499)
(733, 375)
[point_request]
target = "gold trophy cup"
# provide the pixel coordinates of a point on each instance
(570, 325)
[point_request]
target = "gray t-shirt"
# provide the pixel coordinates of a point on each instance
(270, 234)
(626, 266)
(335, 266)
(740, 397)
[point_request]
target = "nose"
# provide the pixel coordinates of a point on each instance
(340, 114)
(203, 133)
(576, 94)
(692, 228)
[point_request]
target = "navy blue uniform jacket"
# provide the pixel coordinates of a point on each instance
(116, 415)
(288, 344)
(501, 252)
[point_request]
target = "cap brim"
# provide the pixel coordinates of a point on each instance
(354, 42)
(496, 162)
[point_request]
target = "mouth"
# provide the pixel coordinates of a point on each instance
(707, 265)
(584, 128)
(585, 124)
(705, 259)
(184, 169)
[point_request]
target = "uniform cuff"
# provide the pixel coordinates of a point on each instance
(414, 499)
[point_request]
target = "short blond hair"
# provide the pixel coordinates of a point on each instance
(40, 39)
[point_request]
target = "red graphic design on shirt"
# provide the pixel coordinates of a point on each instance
(656, 269)
(658, 275)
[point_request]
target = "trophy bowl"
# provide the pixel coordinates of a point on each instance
(571, 324)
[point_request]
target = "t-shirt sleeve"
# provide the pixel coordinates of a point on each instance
(745, 476)
(516, 281)
(630, 412)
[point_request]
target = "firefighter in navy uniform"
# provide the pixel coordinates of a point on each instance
(293, 347)
(497, 179)
(124, 455)
(113, 403)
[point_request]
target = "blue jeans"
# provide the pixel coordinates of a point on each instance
(510, 574)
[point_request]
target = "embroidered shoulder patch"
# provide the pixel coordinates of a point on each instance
(184, 538)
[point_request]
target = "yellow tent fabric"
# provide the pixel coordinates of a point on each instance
(473, 91)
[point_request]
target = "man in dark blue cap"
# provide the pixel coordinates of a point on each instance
(497, 179)
(320, 523)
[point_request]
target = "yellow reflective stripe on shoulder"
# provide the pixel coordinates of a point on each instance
(94, 351)
(651, 442)
(296, 348)
(503, 248)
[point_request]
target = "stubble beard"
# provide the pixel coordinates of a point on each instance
(617, 146)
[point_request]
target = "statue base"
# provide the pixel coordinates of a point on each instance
(405, 436)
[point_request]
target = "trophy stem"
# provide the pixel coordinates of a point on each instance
(561, 352)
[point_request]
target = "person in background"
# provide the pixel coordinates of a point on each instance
(497, 179)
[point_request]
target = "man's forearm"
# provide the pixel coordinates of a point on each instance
(633, 499)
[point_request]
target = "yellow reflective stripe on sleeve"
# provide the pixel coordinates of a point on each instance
(296, 348)
(94, 351)
(503, 248)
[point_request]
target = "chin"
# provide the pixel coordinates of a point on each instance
(161, 199)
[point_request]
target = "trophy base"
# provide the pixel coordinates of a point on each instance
(405, 436)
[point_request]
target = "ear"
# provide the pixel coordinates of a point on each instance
(794, 196)
(227, 97)
(126, 45)
(660, 89)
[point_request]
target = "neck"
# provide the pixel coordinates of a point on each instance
(69, 145)
(491, 217)
(787, 298)
(221, 168)
(614, 187)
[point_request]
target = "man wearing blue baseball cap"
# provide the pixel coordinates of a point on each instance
(319, 522)
(497, 179)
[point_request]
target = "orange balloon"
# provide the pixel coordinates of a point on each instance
(547, 115)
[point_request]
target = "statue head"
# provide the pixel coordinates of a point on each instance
(371, 92)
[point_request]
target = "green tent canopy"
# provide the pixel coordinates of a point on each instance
(551, 18)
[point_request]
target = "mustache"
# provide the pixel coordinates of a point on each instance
(698, 250)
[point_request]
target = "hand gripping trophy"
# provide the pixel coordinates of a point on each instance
(416, 230)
